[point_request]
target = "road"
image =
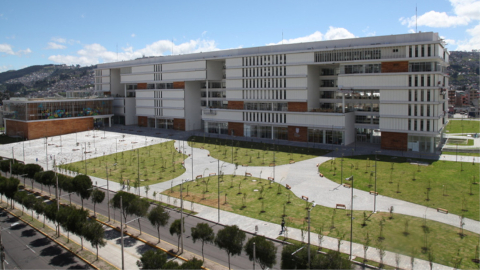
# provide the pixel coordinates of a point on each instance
(26, 248)
(211, 252)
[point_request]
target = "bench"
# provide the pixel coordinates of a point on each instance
(244, 165)
(248, 174)
(288, 187)
(292, 161)
(442, 210)
(121, 140)
(272, 165)
(321, 174)
(134, 142)
(305, 198)
(271, 178)
(211, 174)
(202, 147)
(372, 192)
(346, 185)
(340, 206)
(199, 176)
(318, 164)
(75, 149)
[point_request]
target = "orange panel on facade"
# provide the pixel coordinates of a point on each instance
(178, 85)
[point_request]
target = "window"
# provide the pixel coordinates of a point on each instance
(373, 68)
(410, 95)
(409, 124)
(395, 50)
(415, 110)
(428, 94)
(428, 110)
(409, 110)
(415, 125)
(351, 69)
(421, 95)
(421, 110)
(428, 125)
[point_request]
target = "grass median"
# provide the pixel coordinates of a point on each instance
(254, 153)
(152, 164)
(437, 184)
(263, 200)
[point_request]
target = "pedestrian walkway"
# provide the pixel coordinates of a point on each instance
(301, 176)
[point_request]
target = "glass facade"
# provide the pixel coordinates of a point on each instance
(216, 127)
(325, 136)
(57, 109)
(257, 131)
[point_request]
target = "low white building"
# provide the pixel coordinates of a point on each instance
(388, 89)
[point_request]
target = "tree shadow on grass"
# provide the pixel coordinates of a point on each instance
(51, 251)
(127, 241)
(29, 233)
(63, 259)
(40, 242)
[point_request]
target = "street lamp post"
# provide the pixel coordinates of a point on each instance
(218, 189)
(232, 145)
(341, 174)
(351, 219)
(375, 192)
(121, 234)
(181, 215)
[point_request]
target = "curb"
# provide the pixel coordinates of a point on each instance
(49, 237)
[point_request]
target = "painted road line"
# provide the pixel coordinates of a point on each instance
(31, 249)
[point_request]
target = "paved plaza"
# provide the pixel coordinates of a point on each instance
(302, 176)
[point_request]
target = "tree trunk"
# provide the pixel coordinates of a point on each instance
(70, 195)
(203, 256)
(94, 211)
(49, 191)
(228, 260)
(140, 226)
(82, 203)
(81, 239)
(158, 230)
(97, 253)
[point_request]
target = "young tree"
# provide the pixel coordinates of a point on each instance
(39, 207)
(127, 199)
(19, 197)
(139, 207)
(83, 186)
(11, 187)
(265, 251)
(175, 228)
(75, 222)
(48, 179)
(29, 202)
(158, 217)
(94, 233)
(152, 259)
(31, 169)
(204, 233)
(97, 197)
(231, 240)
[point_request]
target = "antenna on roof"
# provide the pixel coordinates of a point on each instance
(416, 19)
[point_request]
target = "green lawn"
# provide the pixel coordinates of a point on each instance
(254, 153)
(158, 163)
(455, 126)
(462, 142)
(412, 183)
(442, 239)
(462, 154)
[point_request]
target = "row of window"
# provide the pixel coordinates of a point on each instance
(421, 125)
(355, 94)
(263, 60)
(367, 119)
(264, 83)
(265, 117)
(368, 68)
(419, 110)
(203, 85)
(264, 72)
(325, 136)
(264, 94)
(348, 55)
(421, 50)
(420, 95)
(283, 106)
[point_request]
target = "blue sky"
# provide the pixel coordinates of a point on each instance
(89, 32)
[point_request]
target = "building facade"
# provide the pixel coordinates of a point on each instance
(387, 89)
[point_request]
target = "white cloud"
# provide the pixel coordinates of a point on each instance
(338, 33)
(332, 33)
(11, 37)
(467, 8)
(8, 49)
(92, 54)
(204, 33)
(435, 19)
(411, 31)
(59, 40)
(316, 36)
(132, 35)
(55, 46)
(473, 43)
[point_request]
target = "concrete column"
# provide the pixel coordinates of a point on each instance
(109, 121)
(324, 136)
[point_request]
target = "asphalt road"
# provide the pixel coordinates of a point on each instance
(26, 248)
(211, 252)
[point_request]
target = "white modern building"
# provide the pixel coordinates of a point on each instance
(384, 89)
